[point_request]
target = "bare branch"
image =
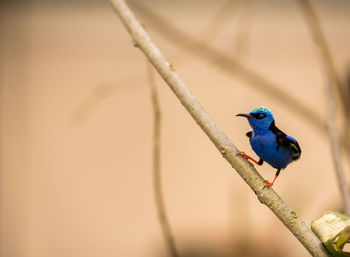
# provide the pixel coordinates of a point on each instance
(157, 178)
(333, 81)
(266, 196)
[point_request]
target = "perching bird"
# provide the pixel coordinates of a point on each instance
(268, 142)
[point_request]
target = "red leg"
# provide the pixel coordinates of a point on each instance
(270, 184)
(249, 158)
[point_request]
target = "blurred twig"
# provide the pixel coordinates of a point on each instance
(333, 135)
(100, 93)
(157, 178)
(333, 81)
(243, 30)
(266, 196)
(321, 42)
(212, 29)
(346, 84)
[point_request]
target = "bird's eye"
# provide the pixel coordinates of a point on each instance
(261, 116)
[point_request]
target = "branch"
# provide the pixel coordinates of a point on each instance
(332, 81)
(266, 196)
(157, 178)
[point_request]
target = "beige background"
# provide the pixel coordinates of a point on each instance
(76, 128)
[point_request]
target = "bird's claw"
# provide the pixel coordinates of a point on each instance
(267, 184)
(242, 154)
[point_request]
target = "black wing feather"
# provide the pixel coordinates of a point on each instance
(284, 140)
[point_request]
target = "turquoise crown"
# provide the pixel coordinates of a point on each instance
(261, 109)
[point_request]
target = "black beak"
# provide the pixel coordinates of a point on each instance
(245, 115)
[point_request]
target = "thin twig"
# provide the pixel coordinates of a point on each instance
(266, 196)
(157, 177)
(333, 81)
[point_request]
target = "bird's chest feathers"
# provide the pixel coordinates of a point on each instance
(266, 147)
(264, 142)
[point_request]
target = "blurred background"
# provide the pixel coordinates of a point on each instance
(76, 126)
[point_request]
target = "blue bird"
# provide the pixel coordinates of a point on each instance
(269, 142)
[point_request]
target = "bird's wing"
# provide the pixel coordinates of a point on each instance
(249, 134)
(286, 141)
(295, 147)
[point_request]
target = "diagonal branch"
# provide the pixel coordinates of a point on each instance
(157, 178)
(266, 196)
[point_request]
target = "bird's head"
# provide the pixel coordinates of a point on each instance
(260, 118)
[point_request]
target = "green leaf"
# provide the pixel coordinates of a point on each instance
(333, 228)
(343, 238)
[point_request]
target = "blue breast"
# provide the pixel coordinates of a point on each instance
(266, 147)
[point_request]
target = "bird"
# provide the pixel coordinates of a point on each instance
(270, 143)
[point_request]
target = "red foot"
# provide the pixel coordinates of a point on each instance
(269, 184)
(243, 154)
